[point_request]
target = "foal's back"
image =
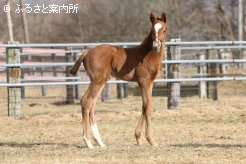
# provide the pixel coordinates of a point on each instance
(123, 63)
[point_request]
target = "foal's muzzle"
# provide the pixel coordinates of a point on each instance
(157, 43)
(156, 46)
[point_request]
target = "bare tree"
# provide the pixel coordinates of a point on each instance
(10, 24)
(226, 25)
(244, 20)
(25, 23)
(127, 20)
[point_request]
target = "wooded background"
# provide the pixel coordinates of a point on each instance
(125, 20)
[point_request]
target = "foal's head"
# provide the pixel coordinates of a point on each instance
(159, 27)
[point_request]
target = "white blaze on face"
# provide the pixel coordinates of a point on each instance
(157, 27)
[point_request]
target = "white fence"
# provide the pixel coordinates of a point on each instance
(68, 81)
(205, 45)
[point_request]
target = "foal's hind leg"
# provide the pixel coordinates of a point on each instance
(94, 128)
(86, 104)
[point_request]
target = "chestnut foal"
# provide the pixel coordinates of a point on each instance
(140, 64)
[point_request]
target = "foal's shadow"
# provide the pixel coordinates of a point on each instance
(31, 145)
(197, 145)
(62, 103)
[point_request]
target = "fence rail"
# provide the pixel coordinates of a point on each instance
(121, 82)
(206, 66)
(214, 47)
(173, 43)
(50, 52)
(219, 61)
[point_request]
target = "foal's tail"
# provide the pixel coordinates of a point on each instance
(77, 64)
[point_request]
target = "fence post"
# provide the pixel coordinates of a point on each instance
(241, 56)
(244, 57)
(173, 73)
(77, 87)
(212, 86)
(23, 93)
(105, 93)
(222, 66)
(53, 58)
(69, 88)
(13, 76)
(166, 65)
(126, 87)
(119, 91)
(122, 90)
(43, 88)
(201, 71)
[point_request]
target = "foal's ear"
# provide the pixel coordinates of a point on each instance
(163, 16)
(152, 18)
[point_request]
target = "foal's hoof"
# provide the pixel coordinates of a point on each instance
(152, 143)
(138, 139)
(100, 143)
(103, 147)
(139, 143)
(88, 143)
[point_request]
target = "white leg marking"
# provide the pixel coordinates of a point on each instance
(96, 135)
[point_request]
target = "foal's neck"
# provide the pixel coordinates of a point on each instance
(146, 45)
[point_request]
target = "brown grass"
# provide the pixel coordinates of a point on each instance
(202, 131)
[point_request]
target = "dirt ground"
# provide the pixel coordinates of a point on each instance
(200, 131)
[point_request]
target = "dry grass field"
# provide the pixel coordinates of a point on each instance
(200, 131)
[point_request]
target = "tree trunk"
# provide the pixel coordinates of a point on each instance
(10, 24)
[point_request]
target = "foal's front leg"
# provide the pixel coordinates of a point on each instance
(139, 128)
(147, 109)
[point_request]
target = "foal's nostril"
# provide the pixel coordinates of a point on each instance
(156, 47)
(155, 44)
